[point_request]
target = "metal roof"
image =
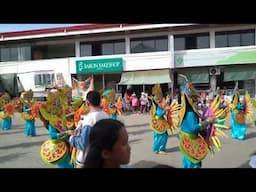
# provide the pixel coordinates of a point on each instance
(79, 29)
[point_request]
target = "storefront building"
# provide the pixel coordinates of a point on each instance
(106, 72)
(132, 55)
(220, 68)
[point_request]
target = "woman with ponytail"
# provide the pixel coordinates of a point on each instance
(108, 145)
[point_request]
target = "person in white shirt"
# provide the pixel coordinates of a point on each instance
(80, 137)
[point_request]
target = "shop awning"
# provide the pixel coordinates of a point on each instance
(145, 77)
(239, 74)
(196, 76)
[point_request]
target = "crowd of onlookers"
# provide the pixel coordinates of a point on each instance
(133, 103)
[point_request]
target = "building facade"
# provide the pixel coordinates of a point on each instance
(138, 55)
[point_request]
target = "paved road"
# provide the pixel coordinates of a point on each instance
(18, 151)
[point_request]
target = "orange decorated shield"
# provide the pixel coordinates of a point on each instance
(53, 151)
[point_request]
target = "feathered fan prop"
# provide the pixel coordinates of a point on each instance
(160, 125)
(212, 132)
(248, 107)
(172, 116)
(235, 97)
(108, 103)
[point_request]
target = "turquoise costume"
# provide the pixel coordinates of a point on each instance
(6, 110)
(56, 136)
(190, 127)
(238, 129)
(192, 146)
(239, 112)
(30, 129)
(7, 123)
(161, 119)
(160, 140)
(27, 104)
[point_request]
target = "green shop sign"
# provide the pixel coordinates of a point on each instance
(99, 65)
(215, 57)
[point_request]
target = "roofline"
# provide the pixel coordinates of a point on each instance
(80, 29)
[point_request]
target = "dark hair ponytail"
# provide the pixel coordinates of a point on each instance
(93, 158)
(104, 134)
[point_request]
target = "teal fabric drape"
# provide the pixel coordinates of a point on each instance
(145, 77)
(239, 73)
(196, 76)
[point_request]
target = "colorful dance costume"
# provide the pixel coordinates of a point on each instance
(29, 112)
(223, 105)
(195, 138)
(109, 105)
(6, 111)
(240, 111)
(162, 119)
(57, 113)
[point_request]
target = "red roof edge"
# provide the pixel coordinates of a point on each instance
(64, 29)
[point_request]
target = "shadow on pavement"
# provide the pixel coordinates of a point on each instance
(45, 134)
(139, 125)
(140, 131)
(250, 125)
(173, 135)
(22, 145)
(9, 132)
(244, 165)
(144, 164)
(173, 149)
(250, 135)
(9, 157)
(18, 126)
(134, 141)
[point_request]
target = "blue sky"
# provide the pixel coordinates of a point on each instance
(22, 27)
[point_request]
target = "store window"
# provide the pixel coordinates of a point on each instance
(61, 50)
(25, 53)
(98, 82)
(44, 80)
(111, 47)
(191, 41)
(86, 50)
(150, 44)
(5, 56)
(39, 52)
(9, 54)
(111, 80)
(235, 38)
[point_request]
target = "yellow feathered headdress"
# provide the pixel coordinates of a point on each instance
(188, 96)
(26, 97)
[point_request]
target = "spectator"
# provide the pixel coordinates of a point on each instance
(252, 161)
(109, 146)
(79, 138)
(143, 102)
(203, 96)
(135, 102)
(210, 95)
(128, 101)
